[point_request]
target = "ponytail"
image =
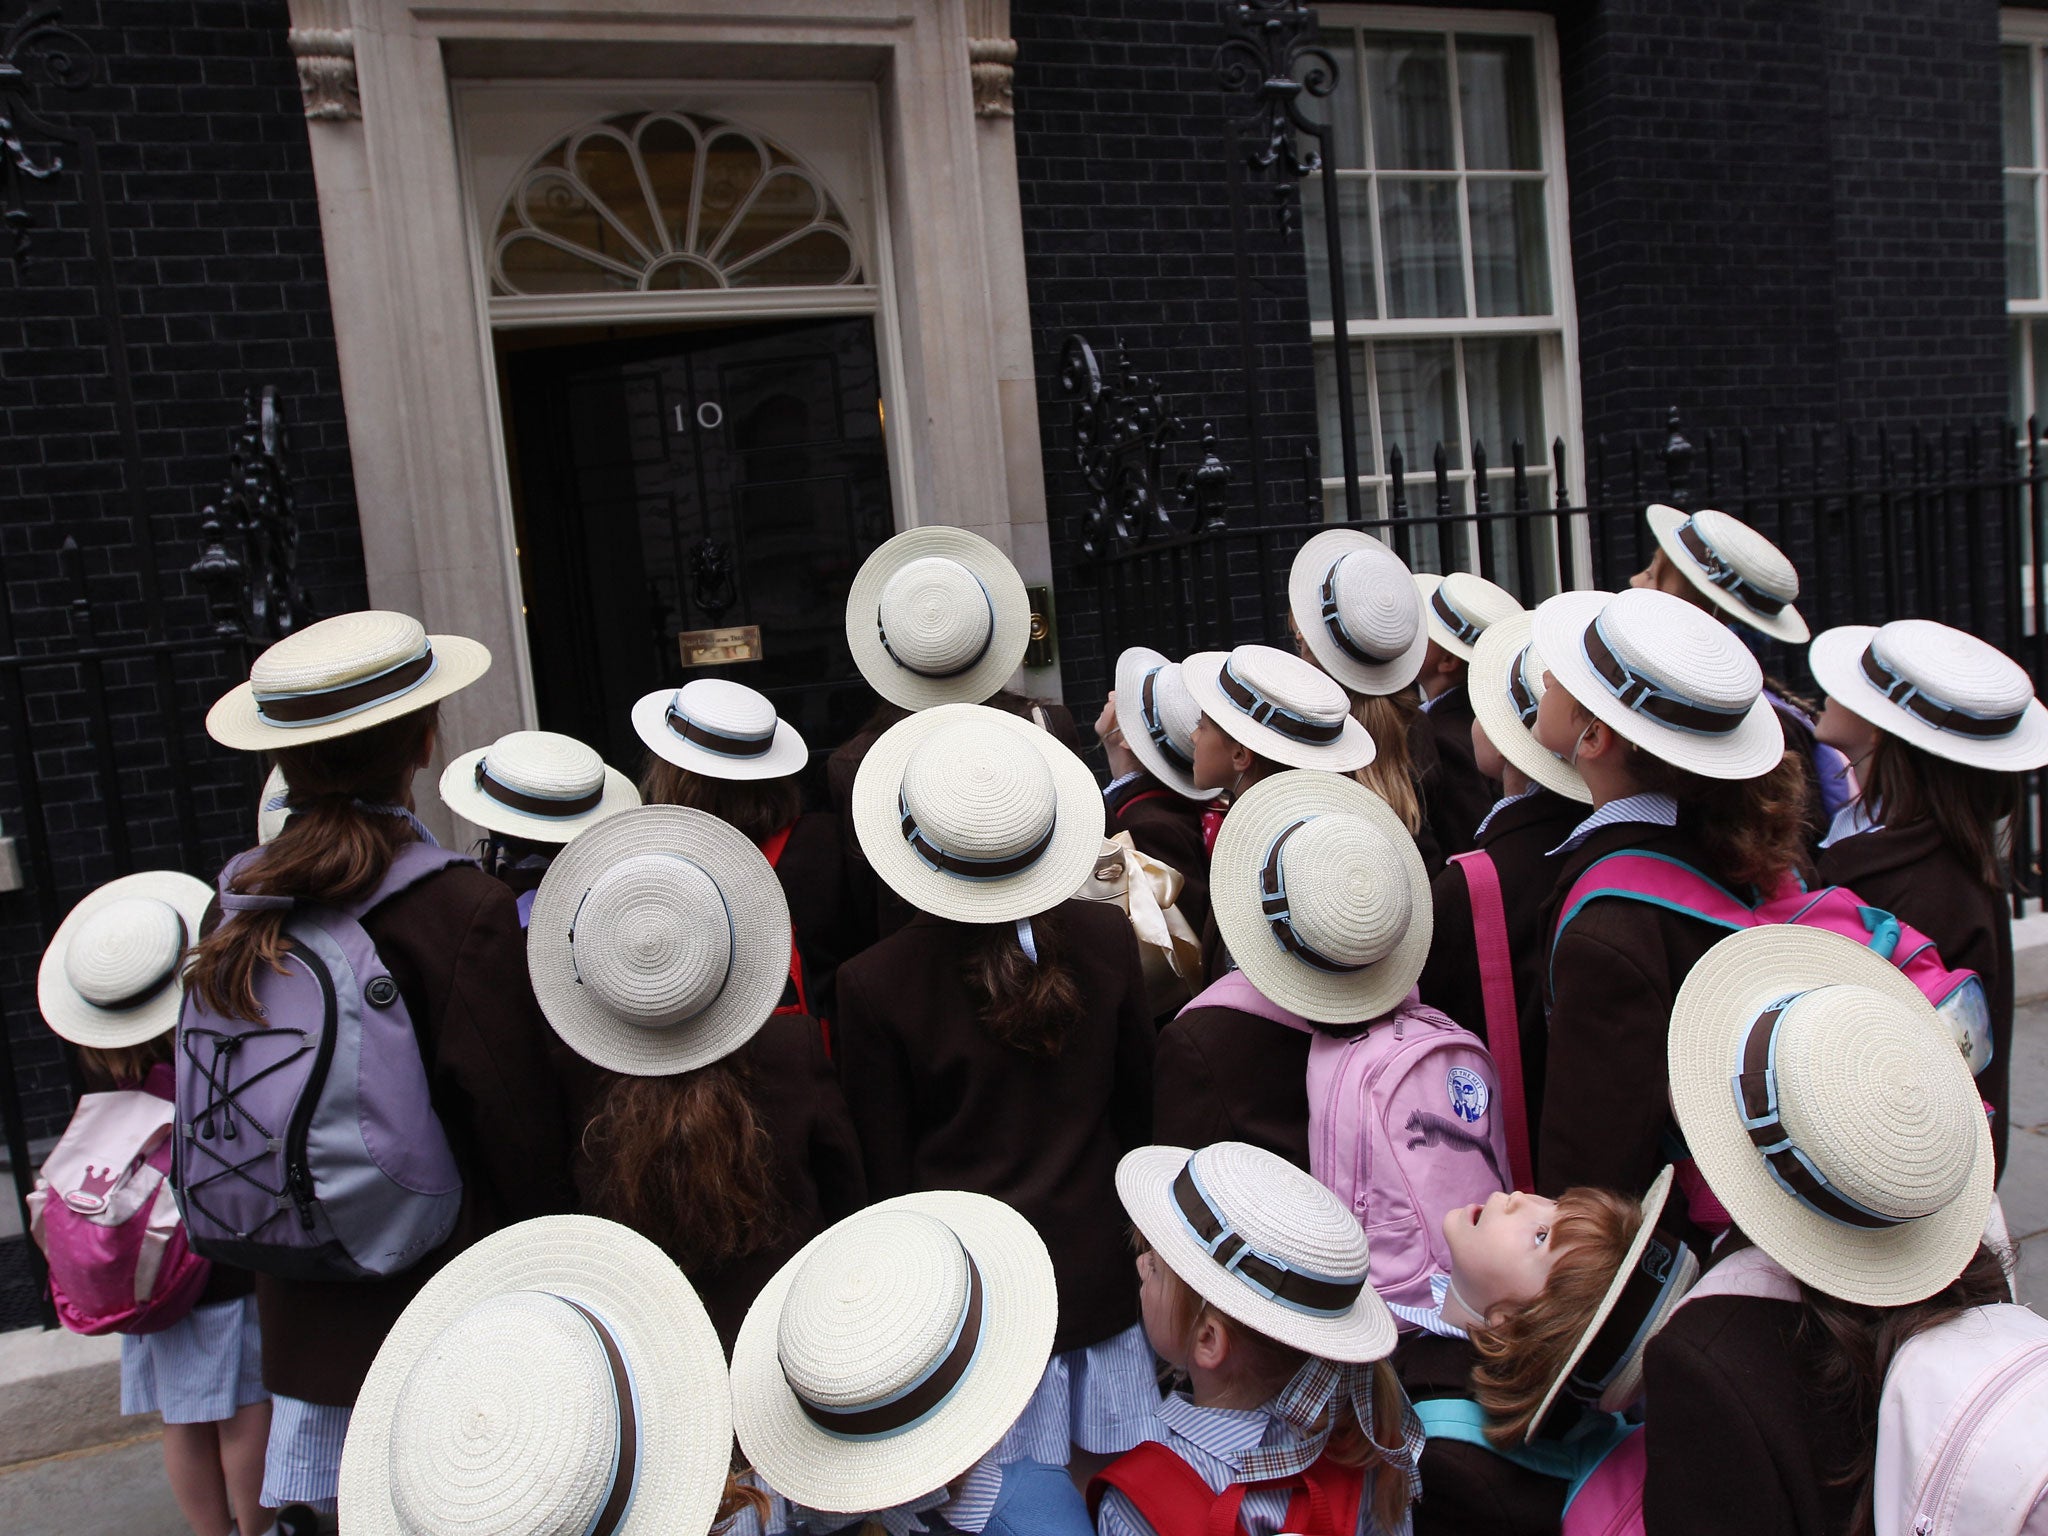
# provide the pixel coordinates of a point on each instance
(1389, 718)
(1027, 1004)
(334, 849)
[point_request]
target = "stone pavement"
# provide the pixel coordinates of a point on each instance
(119, 1489)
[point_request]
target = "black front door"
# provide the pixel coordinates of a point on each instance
(690, 482)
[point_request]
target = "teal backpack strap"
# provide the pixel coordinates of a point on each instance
(1657, 880)
(1571, 1460)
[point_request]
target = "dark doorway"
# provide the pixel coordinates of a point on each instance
(695, 481)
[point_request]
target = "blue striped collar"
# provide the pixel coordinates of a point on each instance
(1653, 809)
(1502, 804)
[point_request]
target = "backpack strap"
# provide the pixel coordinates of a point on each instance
(1572, 1460)
(1497, 989)
(1166, 1491)
(1747, 1272)
(772, 852)
(1659, 881)
(410, 865)
(1233, 989)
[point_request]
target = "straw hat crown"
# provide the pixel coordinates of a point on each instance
(1179, 714)
(1759, 562)
(873, 1309)
(338, 650)
(545, 765)
(1676, 646)
(653, 941)
(1293, 1219)
(974, 795)
(507, 1422)
(732, 709)
(1962, 671)
(1341, 901)
(124, 948)
(935, 616)
(1294, 684)
(1377, 605)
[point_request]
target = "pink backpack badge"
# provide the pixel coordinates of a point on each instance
(105, 1216)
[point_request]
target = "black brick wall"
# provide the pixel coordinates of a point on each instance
(207, 184)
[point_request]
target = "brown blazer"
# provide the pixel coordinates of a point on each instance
(1911, 873)
(1457, 795)
(1425, 771)
(1168, 826)
(1738, 1437)
(1223, 1075)
(1466, 1489)
(816, 1157)
(1517, 840)
(1612, 979)
(812, 870)
(454, 946)
(939, 1103)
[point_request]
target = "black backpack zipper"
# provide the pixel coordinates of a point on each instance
(298, 1177)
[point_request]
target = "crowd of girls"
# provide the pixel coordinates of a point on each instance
(824, 1167)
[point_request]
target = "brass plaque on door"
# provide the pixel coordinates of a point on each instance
(717, 647)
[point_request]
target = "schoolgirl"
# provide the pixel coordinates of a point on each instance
(1347, 947)
(719, 747)
(1264, 711)
(711, 1122)
(349, 707)
(111, 985)
(1001, 1042)
(1254, 1290)
(1543, 800)
(1457, 610)
(1722, 565)
(531, 792)
(560, 1375)
(1939, 726)
(936, 615)
(1661, 711)
(1354, 611)
(1854, 1156)
(1541, 1322)
(1147, 728)
(878, 1375)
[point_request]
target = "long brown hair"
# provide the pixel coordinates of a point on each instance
(1524, 1345)
(124, 1066)
(1027, 1005)
(687, 1162)
(1852, 1346)
(759, 808)
(1972, 808)
(332, 849)
(1388, 718)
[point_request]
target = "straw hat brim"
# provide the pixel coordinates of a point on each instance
(1131, 668)
(1749, 751)
(1312, 563)
(1260, 815)
(1144, 1182)
(1487, 688)
(75, 1019)
(1785, 624)
(1020, 1315)
(760, 938)
(1009, 606)
(1352, 750)
(234, 721)
(1722, 995)
(786, 754)
(1836, 660)
(679, 1380)
(1055, 875)
(1626, 1387)
(460, 794)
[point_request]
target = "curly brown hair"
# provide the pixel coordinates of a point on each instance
(1523, 1345)
(1025, 1004)
(759, 808)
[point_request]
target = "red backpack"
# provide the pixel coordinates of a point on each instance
(1175, 1501)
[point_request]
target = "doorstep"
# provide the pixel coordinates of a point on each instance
(59, 1392)
(2030, 956)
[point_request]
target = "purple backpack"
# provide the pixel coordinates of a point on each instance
(307, 1145)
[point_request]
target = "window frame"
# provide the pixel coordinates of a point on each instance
(1561, 400)
(2028, 29)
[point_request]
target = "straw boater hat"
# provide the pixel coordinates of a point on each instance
(937, 615)
(1158, 715)
(1665, 676)
(558, 1376)
(273, 807)
(1321, 897)
(894, 1351)
(1461, 607)
(1506, 685)
(720, 729)
(1937, 689)
(977, 815)
(1262, 1242)
(659, 941)
(112, 974)
(340, 676)
(537, 785)
(1830, 1111)
(1738, 570)
(1279, 706)
(1605, 1368)
(1356, 606)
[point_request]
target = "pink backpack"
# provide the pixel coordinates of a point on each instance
(1402, 1126)
(104, 1214)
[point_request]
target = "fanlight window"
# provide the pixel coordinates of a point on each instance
(662, 202)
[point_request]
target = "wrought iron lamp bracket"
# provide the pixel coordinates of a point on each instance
(35, 45)
(1271, 55)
